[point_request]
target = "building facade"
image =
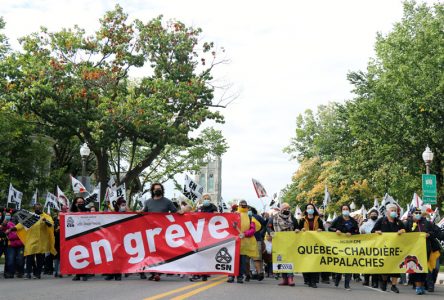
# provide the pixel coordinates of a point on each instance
(210, 178)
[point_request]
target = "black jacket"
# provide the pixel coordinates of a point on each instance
(384, 225)
(339, 224)
(423, 225)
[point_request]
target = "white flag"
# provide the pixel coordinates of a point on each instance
(376, 204)
(259, 188)
(192, 190)
(34, 198)
(51, 202)
(77, 186)
(14, 197)
(326, 197)
(120, 191)
(416, 203)
(385, 201)
(93, 197)
(298, 213)
(63, 200)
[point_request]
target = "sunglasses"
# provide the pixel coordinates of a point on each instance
(417, 213)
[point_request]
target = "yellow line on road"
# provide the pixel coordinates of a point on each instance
(160, 296)
(197, 291)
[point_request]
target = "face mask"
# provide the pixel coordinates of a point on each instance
(393, 214)
(417, 217)
(157, 193)
(38, 211)
(345, 213)
(81, 206)
(250, 213)
(206, 202)
(310, 211)
(122, 208)
(8, 218)
(286, 212)
(374, 218)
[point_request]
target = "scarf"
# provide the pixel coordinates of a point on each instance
(282, 222)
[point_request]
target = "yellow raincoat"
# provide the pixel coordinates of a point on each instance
(248, 244)
(39, 238)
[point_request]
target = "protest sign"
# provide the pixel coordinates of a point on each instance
(369, 253)
(191, 189)
(107, 243)
(27, 218)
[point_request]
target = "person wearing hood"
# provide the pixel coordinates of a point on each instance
(311, 222)
(344, 224)
(367, 227)
(248, 246)
(419, 223)
(283, 221)
(38, 240)
(389, 223)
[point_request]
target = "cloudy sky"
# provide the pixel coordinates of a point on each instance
(285, 57)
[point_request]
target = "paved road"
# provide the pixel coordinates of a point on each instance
(176, 288)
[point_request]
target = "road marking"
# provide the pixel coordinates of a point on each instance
(197, 291)
(372, 288)
(160, 296)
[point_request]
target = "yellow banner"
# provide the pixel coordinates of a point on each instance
(364, 253)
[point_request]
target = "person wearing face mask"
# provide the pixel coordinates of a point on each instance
(366, 228)
(310, 222)
(78, 205)
(344, 224)
(207, 206)
(38, 240)
(420, 224)
(389, 223)
(248, 248)
(14, 253)
(158, 203)
(283, 221)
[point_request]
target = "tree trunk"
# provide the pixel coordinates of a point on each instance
(102, 171)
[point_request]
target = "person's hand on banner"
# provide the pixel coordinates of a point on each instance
(272, 234)
(338, 232)
(303, 229)
(401, 231)
(319, 230)
(378, 231)
(427, 234)
(241, 235)
(348, 234)
(297, 230)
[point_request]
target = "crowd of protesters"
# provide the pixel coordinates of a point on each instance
(31, 252)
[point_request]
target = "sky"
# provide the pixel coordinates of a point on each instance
(284, 57)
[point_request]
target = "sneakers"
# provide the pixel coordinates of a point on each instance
(394, 289)
(239, 279)
(284, 282)
(142, 276)
(76, 278)
(230, 279)
(420, 290)
(290, 281)
(156, 277)
(260, 277)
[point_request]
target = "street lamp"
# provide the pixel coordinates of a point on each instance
(84, 153)
(427, 156)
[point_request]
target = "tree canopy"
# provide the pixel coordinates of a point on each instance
(374, 142)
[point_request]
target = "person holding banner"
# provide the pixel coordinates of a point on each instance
(283, 221)
(366, 228)
(248, 246)
(419, 223)
(310, 222)
(78, 205)
(389, 223)
(158, 203)
(38, 240)
(344, 224)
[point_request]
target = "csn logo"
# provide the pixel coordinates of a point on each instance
(70, 222)
(224, 259)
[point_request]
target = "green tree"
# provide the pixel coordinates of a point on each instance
(377, 138)
(79, 85)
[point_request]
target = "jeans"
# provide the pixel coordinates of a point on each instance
(56, 266)
(243, 265)
(15, 260)
(34, 264)
(347, 279)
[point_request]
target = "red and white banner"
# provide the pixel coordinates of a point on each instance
(106, 243)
